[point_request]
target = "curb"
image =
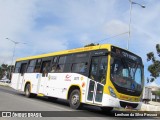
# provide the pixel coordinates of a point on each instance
(146, 107)
(4, 84)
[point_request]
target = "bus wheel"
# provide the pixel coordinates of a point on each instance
(28, 92)
(74, 99)
(107, 109)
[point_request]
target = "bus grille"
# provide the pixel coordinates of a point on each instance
(126, 104)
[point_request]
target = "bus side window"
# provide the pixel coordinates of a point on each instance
(38, 66)
(45, 68)
(79, 67)
(31, 66)
(61, 62)
(54, 65)
(103, 69)
(17, 67)
(60, 68)
(55, 59)
(94, 68)
(53, 69)
(23, 68)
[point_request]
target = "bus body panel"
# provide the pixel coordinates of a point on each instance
(17, 81)
(33, 79)
(110, 101)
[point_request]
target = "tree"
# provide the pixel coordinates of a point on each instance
(91, 44)
(6, 70)
(154, 68)
(157, 93)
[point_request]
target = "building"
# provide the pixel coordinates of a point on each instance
(149, 92)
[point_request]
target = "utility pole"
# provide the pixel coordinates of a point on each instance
(15, 43)
(130, 16)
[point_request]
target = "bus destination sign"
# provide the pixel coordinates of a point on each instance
(126, 54)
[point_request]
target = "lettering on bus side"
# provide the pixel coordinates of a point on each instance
(52, 77)
(68, 77)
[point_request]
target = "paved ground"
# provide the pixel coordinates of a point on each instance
(11, 100)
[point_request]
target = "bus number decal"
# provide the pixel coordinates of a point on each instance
(76, 78)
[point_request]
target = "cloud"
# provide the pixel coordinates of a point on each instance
(115, 27)
(16, 17)
(78, 22)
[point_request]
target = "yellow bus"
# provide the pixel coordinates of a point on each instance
(102, 75)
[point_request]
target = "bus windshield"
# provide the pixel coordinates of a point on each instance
(127, 73)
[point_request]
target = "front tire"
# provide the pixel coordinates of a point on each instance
(74, 99)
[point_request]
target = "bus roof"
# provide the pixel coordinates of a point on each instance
(83, 49)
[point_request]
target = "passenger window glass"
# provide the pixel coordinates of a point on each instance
(38, 62)
(53, 68)
(38, 66)
(79, 67)
(60, 68)
(99, 69)
(23, 68)
(94, 67)
(45, 68)
(62, 60)
(80, 57)
(17, 70)
(17, 67)
(18, 64)
(54, 60)
(31, 66)
(32, 63)
(102, 70)
(30, 69)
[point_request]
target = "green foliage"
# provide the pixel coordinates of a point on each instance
(4, 68)
(91, 44)
(158, 48)
(157, 93)
(150, 56)
(154, 68)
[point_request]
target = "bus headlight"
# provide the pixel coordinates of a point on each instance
(112, 93)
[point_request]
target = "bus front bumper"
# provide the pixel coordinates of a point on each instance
(109, 101)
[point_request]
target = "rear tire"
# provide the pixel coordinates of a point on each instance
(28, 92)
(74, 99)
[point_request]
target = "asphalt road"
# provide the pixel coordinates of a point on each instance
(12, 100)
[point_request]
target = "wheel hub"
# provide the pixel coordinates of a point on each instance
(75, 99)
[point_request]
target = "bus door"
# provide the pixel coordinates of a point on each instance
(43, 85)
(21, 76)
(97, 75)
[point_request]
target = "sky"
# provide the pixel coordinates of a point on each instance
(54, 25)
